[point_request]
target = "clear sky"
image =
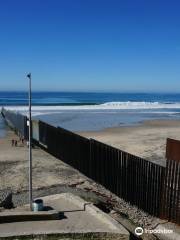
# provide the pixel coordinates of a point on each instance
(90, 45)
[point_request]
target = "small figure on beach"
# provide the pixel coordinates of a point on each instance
(15, 143)
(12, 142)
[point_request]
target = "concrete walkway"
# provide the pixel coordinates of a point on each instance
(76, 218)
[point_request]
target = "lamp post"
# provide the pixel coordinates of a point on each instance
(30, 146)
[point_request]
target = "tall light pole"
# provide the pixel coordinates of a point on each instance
(30, 146)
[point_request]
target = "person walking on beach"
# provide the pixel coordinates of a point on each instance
(12, 142)
(15, 143)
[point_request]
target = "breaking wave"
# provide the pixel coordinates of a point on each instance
(109, 106)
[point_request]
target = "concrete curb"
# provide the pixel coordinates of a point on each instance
(9, 217)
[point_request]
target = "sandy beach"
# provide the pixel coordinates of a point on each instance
(146, 140)
(47, 170)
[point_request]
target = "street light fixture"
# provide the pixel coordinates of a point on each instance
(30, 145)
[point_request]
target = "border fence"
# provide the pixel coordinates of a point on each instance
(151, 187)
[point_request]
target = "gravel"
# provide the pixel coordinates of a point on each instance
(93, 192)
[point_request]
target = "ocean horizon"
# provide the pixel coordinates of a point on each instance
(93, 111)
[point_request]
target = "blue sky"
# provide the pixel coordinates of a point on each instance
(90, 45)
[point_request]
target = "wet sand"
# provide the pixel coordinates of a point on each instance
(147, 140)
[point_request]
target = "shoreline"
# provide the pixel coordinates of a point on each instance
(146, 140)
(152, 122)
(92, 120)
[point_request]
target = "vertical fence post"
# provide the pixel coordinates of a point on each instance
(171, 187)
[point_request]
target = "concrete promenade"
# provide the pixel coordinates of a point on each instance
(77, 218)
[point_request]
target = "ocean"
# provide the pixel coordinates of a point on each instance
(79, 111)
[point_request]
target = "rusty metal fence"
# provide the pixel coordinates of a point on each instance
(71, 148)
(151, 187)
(134, 179)
(171, 188)
(16, 121)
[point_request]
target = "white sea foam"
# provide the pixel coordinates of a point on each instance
(96, 117)
(109, 106)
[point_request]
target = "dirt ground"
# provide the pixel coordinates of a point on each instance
(47, 170)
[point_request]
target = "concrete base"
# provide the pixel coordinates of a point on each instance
(23, 216)
(78, 220)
